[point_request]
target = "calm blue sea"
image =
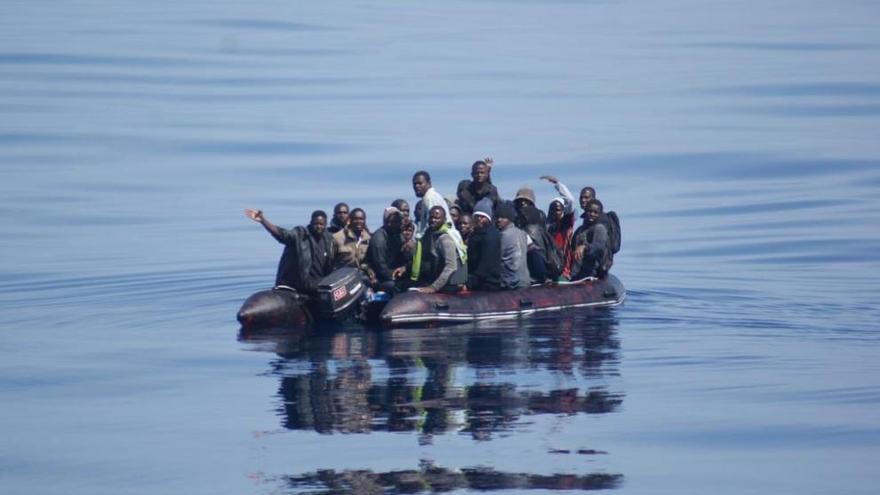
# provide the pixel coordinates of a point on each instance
(737, 140)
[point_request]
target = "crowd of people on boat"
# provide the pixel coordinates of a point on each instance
(474, 241)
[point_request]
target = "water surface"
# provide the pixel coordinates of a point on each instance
(736, 140)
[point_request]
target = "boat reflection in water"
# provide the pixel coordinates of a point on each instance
(430, 478)
(480, 380)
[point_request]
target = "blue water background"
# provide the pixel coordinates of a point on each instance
(737, 140)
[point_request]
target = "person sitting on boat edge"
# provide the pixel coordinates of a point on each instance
(514, 246)
(447, 254)
(544, 262)
(484, 250)
(469, 192)
(589, 250)
(560, 218)
(340, 218)
(308, 251)
(385, 254)
(352, 242)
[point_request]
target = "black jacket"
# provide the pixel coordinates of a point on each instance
(384, 254)
(484, 259)
(305, 260)
(468, 194)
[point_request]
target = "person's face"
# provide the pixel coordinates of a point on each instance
(465, 224)
(519, 203)
(481, 222)
(318, 225)
(404, 212)
(393, 223)
(586, 196)
(455, 213)
(502, 223)
(357, 222)
(557, 211)
(438, 217)
(420, 186)
(593, 213)
(341, 215)
(480, 173)
(408, 234)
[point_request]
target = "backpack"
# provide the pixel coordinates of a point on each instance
(613, 232)
(549, 252)
(552, 256)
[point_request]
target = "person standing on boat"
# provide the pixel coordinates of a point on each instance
(560, 218)
(352, 242)
(429, 199)
(340, 218)
(484, 250)
(589, 251)
(308, 252)
(480, 186)
(385, 254)
(447, 254)
(514, 246)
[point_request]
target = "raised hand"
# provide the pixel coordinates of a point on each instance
(549, 178)
(255, 215)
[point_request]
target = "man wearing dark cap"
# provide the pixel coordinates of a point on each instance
(308, 252)
(544, 261)
(484, 250)
(514, 245)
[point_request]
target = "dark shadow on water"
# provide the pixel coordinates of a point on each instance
(258, 25)
(354, 380)
(786, 46)
(743, 166)
(431, 478)
(832, 110)
(824, 89)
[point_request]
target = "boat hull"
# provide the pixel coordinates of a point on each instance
(274, 308)
(413, 308)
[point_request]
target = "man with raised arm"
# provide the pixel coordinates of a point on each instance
(308, 251)
(470, 192)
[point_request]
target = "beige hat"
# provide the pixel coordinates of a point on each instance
(525, 192)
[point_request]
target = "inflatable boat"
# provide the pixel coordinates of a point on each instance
(416, 308)
(343, 295)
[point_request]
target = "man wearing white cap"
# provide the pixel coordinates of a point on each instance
(484, 250)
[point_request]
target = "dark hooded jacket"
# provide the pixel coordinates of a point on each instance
(305, 260)
(484, 259)
(470, 192)
(385, 253)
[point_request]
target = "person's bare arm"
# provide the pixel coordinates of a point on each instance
(257, 216)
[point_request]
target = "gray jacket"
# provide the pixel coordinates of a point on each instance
(514, 268)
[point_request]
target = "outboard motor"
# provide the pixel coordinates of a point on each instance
(340, 293)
